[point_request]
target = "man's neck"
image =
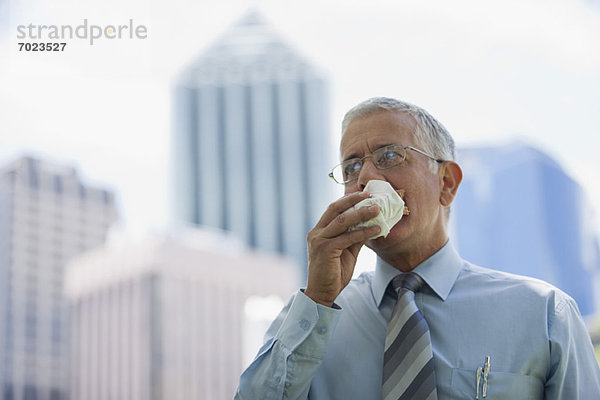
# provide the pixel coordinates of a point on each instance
(408, 260)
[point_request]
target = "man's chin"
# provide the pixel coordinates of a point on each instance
(393, 237)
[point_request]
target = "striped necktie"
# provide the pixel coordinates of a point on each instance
(408, 359)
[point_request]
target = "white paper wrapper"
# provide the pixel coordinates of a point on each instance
(390, 204)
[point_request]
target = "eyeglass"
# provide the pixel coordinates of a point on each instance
(383, 158)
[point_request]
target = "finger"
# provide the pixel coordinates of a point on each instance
(348, 262)
(339, 206)
(343, 221)
(355, 248)
(350, 258)
(358, 237)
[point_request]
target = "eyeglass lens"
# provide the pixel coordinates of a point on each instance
(385, 157)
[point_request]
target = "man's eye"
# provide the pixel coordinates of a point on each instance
(390, 155)
(388, 159)
(352, 168)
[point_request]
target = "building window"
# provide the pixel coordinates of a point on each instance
(33, 174)
(106, 197)
(12, 177)
(56, 330)
(8, 392)
(30, 327)
(82, 192)
(9, 330)
(55, 394)
(58, 184)
(30, 392)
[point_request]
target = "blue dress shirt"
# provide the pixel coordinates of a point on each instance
(533, 333)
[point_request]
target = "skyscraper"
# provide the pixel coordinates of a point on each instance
(518, 211)
(252, 146)
(47, 216)
(168, 318)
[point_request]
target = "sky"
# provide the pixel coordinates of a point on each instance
(492, 72)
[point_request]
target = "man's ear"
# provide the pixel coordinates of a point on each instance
(450, 177)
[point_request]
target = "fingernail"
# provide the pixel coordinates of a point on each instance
(372, 208)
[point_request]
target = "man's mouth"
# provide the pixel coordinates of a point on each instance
(401, 193)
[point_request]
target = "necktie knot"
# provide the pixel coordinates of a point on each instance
(409, 281)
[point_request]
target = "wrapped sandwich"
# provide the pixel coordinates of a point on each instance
(390, 203)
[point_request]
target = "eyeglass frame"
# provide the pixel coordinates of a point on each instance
(438, 160)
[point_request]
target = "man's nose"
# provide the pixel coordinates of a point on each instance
(367, 173)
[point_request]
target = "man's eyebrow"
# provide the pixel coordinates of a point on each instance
(385, 144)
(351, 156)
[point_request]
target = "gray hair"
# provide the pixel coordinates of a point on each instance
(430, 133)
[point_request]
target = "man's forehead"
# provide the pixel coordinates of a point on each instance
(394, 125)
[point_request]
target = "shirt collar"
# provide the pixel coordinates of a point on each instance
(439, 271)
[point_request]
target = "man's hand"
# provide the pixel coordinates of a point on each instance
(332, 250)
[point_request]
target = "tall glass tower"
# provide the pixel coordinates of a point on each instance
(252, 147)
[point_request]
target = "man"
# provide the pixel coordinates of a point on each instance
(426, 324)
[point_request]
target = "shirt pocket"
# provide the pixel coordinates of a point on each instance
(500, 385)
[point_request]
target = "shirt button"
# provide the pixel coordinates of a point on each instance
(304, 324)
(287, 384)
(322, 330)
